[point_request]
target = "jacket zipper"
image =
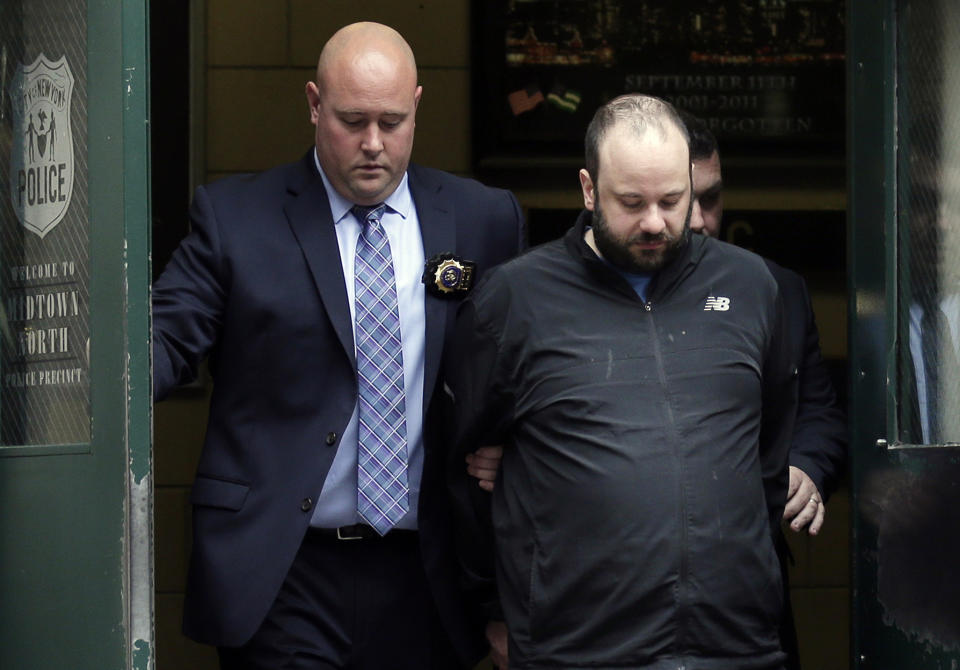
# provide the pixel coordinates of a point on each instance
(682, 568)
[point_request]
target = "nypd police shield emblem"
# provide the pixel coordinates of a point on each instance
(42, 158)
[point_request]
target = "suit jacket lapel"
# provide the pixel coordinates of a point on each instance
(308, 211)
(435, 210)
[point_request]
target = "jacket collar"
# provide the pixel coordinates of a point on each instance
(436, 212)
(308, 213)
(663, 281)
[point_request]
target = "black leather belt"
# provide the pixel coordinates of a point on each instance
(360, 531)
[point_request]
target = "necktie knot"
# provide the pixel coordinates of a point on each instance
(368, 214)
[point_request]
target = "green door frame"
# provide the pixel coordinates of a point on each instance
(76, 539)
(871, 165)
(120, 247)
(139, 392)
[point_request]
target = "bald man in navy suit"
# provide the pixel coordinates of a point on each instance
(284, 571)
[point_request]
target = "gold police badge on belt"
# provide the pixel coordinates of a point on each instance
(448, 276)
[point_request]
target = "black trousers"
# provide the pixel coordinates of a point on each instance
(788, 628)
(359, 604)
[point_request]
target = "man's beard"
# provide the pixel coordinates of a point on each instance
(620, 253)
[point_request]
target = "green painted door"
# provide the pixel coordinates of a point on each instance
(75, 485)
(904, 175)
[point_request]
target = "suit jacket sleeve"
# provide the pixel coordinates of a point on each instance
(188, 301)
(779, 404)
(483, 407)
(819, 445)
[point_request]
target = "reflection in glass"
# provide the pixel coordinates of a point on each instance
(929, 222)
(911, 504)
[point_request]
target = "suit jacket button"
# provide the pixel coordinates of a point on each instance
(306, 504)
(331, 438)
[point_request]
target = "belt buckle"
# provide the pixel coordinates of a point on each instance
(341, 536)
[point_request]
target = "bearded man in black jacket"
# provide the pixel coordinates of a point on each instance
(638, 378)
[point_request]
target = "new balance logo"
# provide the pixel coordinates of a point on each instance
(717, 304)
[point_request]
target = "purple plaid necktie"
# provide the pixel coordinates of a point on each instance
(382, 488)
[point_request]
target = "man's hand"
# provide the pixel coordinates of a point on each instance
(497, 637)
(483, 464)
(804, 503)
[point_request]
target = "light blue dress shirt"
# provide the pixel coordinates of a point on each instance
(950, 306)
(337, 505)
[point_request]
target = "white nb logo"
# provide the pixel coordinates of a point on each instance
(717, 304)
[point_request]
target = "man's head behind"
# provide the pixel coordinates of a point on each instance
(707, 179)
(364, 104)
(637, 182)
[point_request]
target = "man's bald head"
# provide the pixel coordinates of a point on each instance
(364, 40)
(364, 105)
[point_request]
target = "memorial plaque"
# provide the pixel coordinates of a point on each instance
(44, 225)
(767, 76)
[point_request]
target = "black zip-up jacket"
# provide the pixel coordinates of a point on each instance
(640, 489)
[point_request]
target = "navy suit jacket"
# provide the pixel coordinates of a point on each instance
(257, 287)
(819, 444)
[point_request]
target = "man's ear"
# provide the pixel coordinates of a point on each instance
(589, 190)
(313, 101)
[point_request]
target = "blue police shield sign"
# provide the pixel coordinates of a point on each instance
(42, 162)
